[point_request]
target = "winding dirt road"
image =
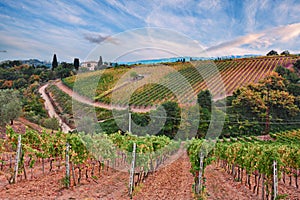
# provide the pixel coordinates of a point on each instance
(51, 111)
(90, 102)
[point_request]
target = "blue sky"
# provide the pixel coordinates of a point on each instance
(74, 28)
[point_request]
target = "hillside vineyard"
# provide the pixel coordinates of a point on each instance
(234, 73)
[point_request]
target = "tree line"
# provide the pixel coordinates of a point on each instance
(15, 75)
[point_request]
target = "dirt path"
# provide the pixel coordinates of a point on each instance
(221, 185)
(21, 124)
(51, 111)
(90, 102)
(110, 185)
(30, 124)
(173, 181)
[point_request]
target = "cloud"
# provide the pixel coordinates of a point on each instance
(213, 5)
(58, 10)
(145, 43)
(288, 32)
(41, 43)
(236, 42)
(269, 38)
(99, 39)
(95, 39)
(69, 18)
(38, 29)
(250, 14)
(114, 15)
(130, 8)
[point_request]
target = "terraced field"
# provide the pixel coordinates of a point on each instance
(181, 81)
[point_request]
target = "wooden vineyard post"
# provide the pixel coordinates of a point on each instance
(199, 184)
(129, 122)
(10, 162)
(275, 180)
(131, 178)
(67, 179)
(73, 174)
(263, 187)
(14, 179)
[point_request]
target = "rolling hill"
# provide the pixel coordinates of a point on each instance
(168, 81)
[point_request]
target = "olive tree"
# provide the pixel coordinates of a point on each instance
(10, 106)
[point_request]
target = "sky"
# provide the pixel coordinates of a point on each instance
(131, 30)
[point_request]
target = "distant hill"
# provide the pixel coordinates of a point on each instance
(31, 62)
(186, 58)
(36, 62)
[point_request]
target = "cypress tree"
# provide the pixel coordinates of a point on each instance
(76, 63)
(54, 62)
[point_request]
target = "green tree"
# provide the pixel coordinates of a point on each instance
(54, 62)
(20, 83)
(133, 75)
(64, 70)
(47, 75)
(100, 62)
(10, 106)
(76, 63)
(265, 101)
(285, 53)
(51, 123)
(205, 117)
(294, 89)
(173, 118)
(34, 78)
(296, 66)
(287, 74)
(87, 125)
(205, 99)
(272, 53)
(10, 64)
